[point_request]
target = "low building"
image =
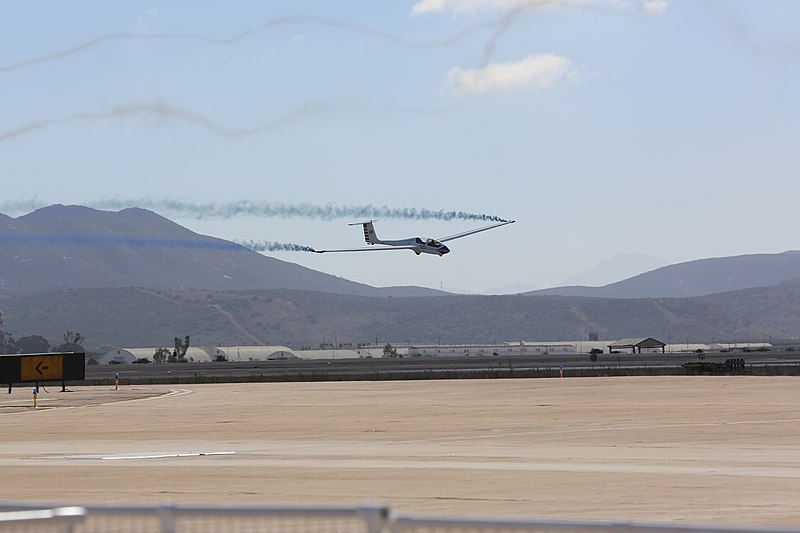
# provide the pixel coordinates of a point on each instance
(685, 347)
(334, 345)
(504, 349)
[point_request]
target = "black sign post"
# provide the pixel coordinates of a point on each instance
(42, 367)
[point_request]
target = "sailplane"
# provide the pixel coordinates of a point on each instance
(417, 245)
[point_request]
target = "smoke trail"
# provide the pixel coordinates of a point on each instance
(271, 246)
(166, 111)
(293, 20)
(251, 208)
(109, 240)
(228, 210)
(315, 108)
(740, 31)
(154, 242)
(503, 25)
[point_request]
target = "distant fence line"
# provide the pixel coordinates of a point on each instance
(756, 369)
(361, 519)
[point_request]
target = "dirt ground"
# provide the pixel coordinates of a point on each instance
(699, 450)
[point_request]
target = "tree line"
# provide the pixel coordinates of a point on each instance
(73, 342)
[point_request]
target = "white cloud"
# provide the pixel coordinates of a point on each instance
(648, 7)
(460, 6)
(654, 7)
(538, 71)
(474, 6)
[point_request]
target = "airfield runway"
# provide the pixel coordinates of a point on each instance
(700, 450)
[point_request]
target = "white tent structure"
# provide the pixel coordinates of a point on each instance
(131, 355)
(254, 353)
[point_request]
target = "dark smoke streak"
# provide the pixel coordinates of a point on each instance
(11, 239)
(169, 112)
(741, 33)
(94, 240)
(503, 25)
(228, 210)
(272, 246)
(314, 108)
(271, 210)
(293, 20)
(165, 111)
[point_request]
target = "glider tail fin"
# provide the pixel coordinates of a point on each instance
(369, 232)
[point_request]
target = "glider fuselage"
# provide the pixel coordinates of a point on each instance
(417, 245)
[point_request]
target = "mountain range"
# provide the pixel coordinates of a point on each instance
(696, 278)
(70, 247)
(139, 317)
(135, 279)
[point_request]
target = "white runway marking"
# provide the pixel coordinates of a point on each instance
(163, 455)
(139, 456)
(171, 394)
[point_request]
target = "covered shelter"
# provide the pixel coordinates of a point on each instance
(636, 345)
(254, 353)
(131, 355)
(120, 356)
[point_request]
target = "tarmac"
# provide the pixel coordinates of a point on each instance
(719, 450)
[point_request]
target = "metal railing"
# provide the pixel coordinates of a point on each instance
(180, 519)
(63, 519)
(362, 519)
(415, 524)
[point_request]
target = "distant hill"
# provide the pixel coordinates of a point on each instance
(131, 317)
(696, 278)
(617, 268)
(513, 288)
(135, 279)
(67, 247)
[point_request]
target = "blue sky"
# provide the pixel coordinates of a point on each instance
(603, 127)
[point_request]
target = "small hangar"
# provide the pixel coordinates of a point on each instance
(636, 345)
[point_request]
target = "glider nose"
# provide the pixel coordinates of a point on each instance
(444, 250)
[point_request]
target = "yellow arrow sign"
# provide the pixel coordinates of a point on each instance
(42, 368)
